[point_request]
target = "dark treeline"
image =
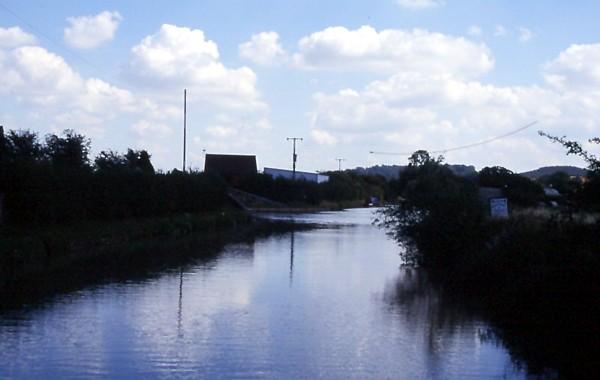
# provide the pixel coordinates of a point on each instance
(54, 181)
(343, 188)
(535, 275)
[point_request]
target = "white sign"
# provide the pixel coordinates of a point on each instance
(499, 208)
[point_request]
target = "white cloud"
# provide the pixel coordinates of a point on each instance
(33, 75)
(500, 31)
(475, 30)
(525, 34)
(87, 32)
(323, 137)
(220, 131)
(178, 57)
(420, 4)
(392, 50)
(151, 110)
(149, 129)
(263, 48)
(14, 36)
(416, 110)
(576, 67)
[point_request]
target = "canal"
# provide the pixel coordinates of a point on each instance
(331, 303)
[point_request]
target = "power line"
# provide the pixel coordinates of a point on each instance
(513, 132)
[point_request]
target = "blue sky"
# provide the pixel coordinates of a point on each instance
(349, 77)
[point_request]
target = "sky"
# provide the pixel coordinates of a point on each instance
(348, 77)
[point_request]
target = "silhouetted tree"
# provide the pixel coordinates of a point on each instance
(518, 189)
(437, 207)
(22, 146)
(589, 195)
(108, 161)
(422, 157)
(70, 151)
(139, 160)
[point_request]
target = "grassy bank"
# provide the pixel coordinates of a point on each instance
(535, 275)
(535, 278)
(38, 262)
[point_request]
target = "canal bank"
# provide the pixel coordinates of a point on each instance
(321, 303)
(41, 261)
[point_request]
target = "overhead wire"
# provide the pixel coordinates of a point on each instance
(460, 147)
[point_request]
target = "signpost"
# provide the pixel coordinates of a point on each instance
(499, 208)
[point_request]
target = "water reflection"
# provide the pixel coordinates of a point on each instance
(349, 314)
(292, 257)
(444, 327)
(179, 309)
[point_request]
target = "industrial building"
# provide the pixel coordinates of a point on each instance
(289, 174)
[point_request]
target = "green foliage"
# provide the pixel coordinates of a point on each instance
(341, 187)
(53, 183)
(133, 161)
(22, 146)
(562, 182)
(422, 157)
(588, 196)
(519, 190)
(68, 152)
(437, 210)
(575, 148)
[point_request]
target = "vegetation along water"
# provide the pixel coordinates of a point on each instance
(528, 281)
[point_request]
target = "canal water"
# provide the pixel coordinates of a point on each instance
(330, 303)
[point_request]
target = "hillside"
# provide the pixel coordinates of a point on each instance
(549, 170)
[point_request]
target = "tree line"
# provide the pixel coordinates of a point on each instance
(539, 273)
(54, 181)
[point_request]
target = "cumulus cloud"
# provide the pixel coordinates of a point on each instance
(36, 75)
(14, 36)
(420, 4)
(225, 110)
(263, 48)
(417, 110)
(179, 57)
(88, 32)
(391, 51)
(576, 67)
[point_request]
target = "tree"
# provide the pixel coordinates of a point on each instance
(436, 209)
(588, 197)
(70, 151)
(422, 157)
(518, 189)
(139, 160)
(22, 146)
(108, 161)
(573, 147)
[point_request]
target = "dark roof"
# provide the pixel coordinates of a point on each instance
(230, 165)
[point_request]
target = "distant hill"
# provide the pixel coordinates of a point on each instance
(393, 171)
(549, 170)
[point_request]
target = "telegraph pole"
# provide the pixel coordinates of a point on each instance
(339, 160)
(184, 124)
(294, 155)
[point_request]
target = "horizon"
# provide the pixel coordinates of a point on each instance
(350, 78)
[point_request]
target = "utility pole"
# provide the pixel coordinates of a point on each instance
(294, 155)
(339, 160)
(184, 124)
